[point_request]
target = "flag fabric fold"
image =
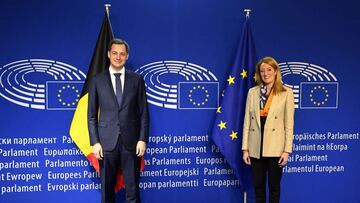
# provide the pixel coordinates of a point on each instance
(227, 128)
(79, 126)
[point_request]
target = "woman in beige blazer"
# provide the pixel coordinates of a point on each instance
(268, 129)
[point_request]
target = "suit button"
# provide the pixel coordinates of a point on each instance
(118, 124)
(273, 129)
(252, 117)
(275, 117)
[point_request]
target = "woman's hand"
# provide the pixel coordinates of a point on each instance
(246, 157)
(283, 159)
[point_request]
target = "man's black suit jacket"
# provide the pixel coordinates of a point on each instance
(107, 121)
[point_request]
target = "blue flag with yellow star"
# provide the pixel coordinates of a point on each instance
(198, 95)
(63, 95)
(227, 129)
(319, 95)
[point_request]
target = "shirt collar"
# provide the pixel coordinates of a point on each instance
(112, 71)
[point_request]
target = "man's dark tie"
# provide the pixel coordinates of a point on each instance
(118, 88)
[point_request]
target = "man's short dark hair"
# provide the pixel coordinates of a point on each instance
(119, 41)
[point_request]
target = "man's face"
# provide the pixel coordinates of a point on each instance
(118, 56)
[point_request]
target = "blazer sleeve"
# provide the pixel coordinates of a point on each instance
(289, 121)
(143, 112)
(93, 109)
(246, 125)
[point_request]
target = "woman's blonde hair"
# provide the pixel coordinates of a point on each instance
(277, 87)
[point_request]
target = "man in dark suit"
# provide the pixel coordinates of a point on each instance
(118, 123)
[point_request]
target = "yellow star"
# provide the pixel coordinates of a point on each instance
(243, 73)
(218, 109)
(231, 80)
(222, 125)
(233, 135)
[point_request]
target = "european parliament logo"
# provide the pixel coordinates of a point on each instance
(180, 85)
(41, 84)
(314, 86)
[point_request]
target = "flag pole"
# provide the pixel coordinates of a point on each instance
(107, 9)
(247, 15)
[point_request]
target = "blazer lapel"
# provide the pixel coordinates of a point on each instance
(257, 105)
(273, 102)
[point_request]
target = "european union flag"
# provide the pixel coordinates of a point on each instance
(319, 95)
(198, 95)
(63, 95)
(227, 129)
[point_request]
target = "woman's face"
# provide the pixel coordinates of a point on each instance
(267, 74)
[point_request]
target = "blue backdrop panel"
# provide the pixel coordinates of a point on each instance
(184, 50)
